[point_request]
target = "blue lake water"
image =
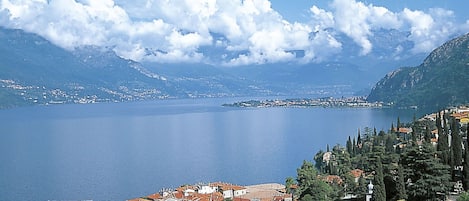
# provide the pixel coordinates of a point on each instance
(126, 150)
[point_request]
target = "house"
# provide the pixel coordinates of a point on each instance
(333, 179)
(206, 189)
(356, 174)
(461, 117)
(230, 190)
(404, 133)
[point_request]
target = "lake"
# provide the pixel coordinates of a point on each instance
(113, 151)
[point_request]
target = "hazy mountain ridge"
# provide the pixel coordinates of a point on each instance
(441, 79)
(35, 71)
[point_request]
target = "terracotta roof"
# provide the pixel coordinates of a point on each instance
(405, 130)
(217, 196)
(139, 199)
(240, 199)
(356, 173)
(227, 186)
(333, 179)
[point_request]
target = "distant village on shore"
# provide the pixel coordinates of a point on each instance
(359, 102)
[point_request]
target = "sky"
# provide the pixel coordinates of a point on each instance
(235, 32)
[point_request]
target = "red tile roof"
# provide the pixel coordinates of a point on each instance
(356, 173)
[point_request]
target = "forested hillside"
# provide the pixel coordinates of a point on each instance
(441, 80)
(420, 160)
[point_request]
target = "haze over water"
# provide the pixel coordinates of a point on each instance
(121, 151)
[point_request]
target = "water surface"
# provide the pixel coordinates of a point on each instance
(126, 150)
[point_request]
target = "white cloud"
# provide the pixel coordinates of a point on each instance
(246, 31)
(359, 21)
(429, 30)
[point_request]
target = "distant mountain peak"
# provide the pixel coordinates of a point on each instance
(441, 79)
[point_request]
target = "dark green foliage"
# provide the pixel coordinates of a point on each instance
(289, 182)
(428, 134)
(400, 184)
(398, 123)
(456, 145)
(349, 146)
(310, 187)
(389, 144)
(463, 197)
(441, 80)
(362, 188)
(354, 147)
(413, 171)
(428, 176)
(319, 163)
(466, 161)
(379, 193)
(443, 144)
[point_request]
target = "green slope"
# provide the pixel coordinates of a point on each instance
(441, 80)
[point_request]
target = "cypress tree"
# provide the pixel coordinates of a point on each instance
(438, 123)
(443, 144)
(354, 147)
(389, 145)
(456, 141)
(359, 143)
(428, 134)
(349, 146)
(379, 193)
(400, 185)
(466, 161)
(398, 123)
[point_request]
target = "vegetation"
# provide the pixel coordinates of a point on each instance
(444, 71)
(402, 164)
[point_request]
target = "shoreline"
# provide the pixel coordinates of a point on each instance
(348, 102)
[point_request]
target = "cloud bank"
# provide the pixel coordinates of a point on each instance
(240, 32)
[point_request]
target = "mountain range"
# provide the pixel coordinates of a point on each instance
(440, 81)
(35, 71)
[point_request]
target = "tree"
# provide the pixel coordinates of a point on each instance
(456, 144)
(310, 187)
(359, 142)
(289, 182)
(428, 134)
(463, 197)
(319, 163)
(400, 184)
(379, 193)
(349, 146)
(398, 123)
(427, 175)
(466, 161)
(354, 144)
(443, 146)
(389, 145)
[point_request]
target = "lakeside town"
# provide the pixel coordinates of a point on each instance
(357, 101)
(221, 191)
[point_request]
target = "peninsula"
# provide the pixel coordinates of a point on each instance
(359, 102)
